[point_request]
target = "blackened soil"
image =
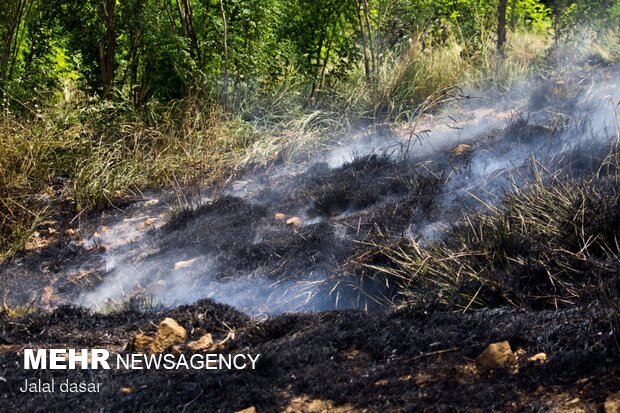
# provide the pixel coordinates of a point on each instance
(406, 360)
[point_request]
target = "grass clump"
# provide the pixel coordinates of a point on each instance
(551, 244)
(418, 68)
(136, 304)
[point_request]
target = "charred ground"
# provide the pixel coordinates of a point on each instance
(417, 359)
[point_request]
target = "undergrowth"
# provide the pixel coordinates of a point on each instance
(95, 154)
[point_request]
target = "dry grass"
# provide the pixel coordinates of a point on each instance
(95, 154)
(418, 68)
(552, 243)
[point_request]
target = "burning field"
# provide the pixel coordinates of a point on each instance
(466, 261)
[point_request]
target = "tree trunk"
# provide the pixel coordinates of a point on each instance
(325, 62)
(373, 59)
(107, 48)
(363, 33)
(317, 73)
(558, 8)
(501, 26)
(225, 68)
(186, 15)
(10, 42)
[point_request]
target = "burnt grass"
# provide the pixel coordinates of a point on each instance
(415, 359)
(339, 208)
(412, 356)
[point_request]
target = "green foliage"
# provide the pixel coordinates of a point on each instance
(170, 49)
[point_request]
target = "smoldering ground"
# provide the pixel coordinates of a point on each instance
(418, 182)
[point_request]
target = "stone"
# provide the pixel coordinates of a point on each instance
(204, 343)
(126, 390)
(248, 410)
(141, 342)
(495, 355)
(461, 149)
(612, 404)
(168, 334)
(538, 358)
(294, 221)
(184, 264)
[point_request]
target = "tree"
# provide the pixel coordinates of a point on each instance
(12, 18)
(501, 26)
(225, 68)
(322, 35)
(107, 46)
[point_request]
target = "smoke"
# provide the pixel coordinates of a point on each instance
(565, 136)
(137, 263)
(278, 241)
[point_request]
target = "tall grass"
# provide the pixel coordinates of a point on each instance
(420, 67)
(93, 154)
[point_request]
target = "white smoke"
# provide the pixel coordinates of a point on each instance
(134, 265)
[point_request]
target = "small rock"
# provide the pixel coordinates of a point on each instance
(141, 342)
(280, 216)
(248, 410)
(184, 264)
(612, 404)
(295, 221)
(204, 343)
(495, 355)
(461, 149)
(168, 334)
(127, 390)
(538, 358)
